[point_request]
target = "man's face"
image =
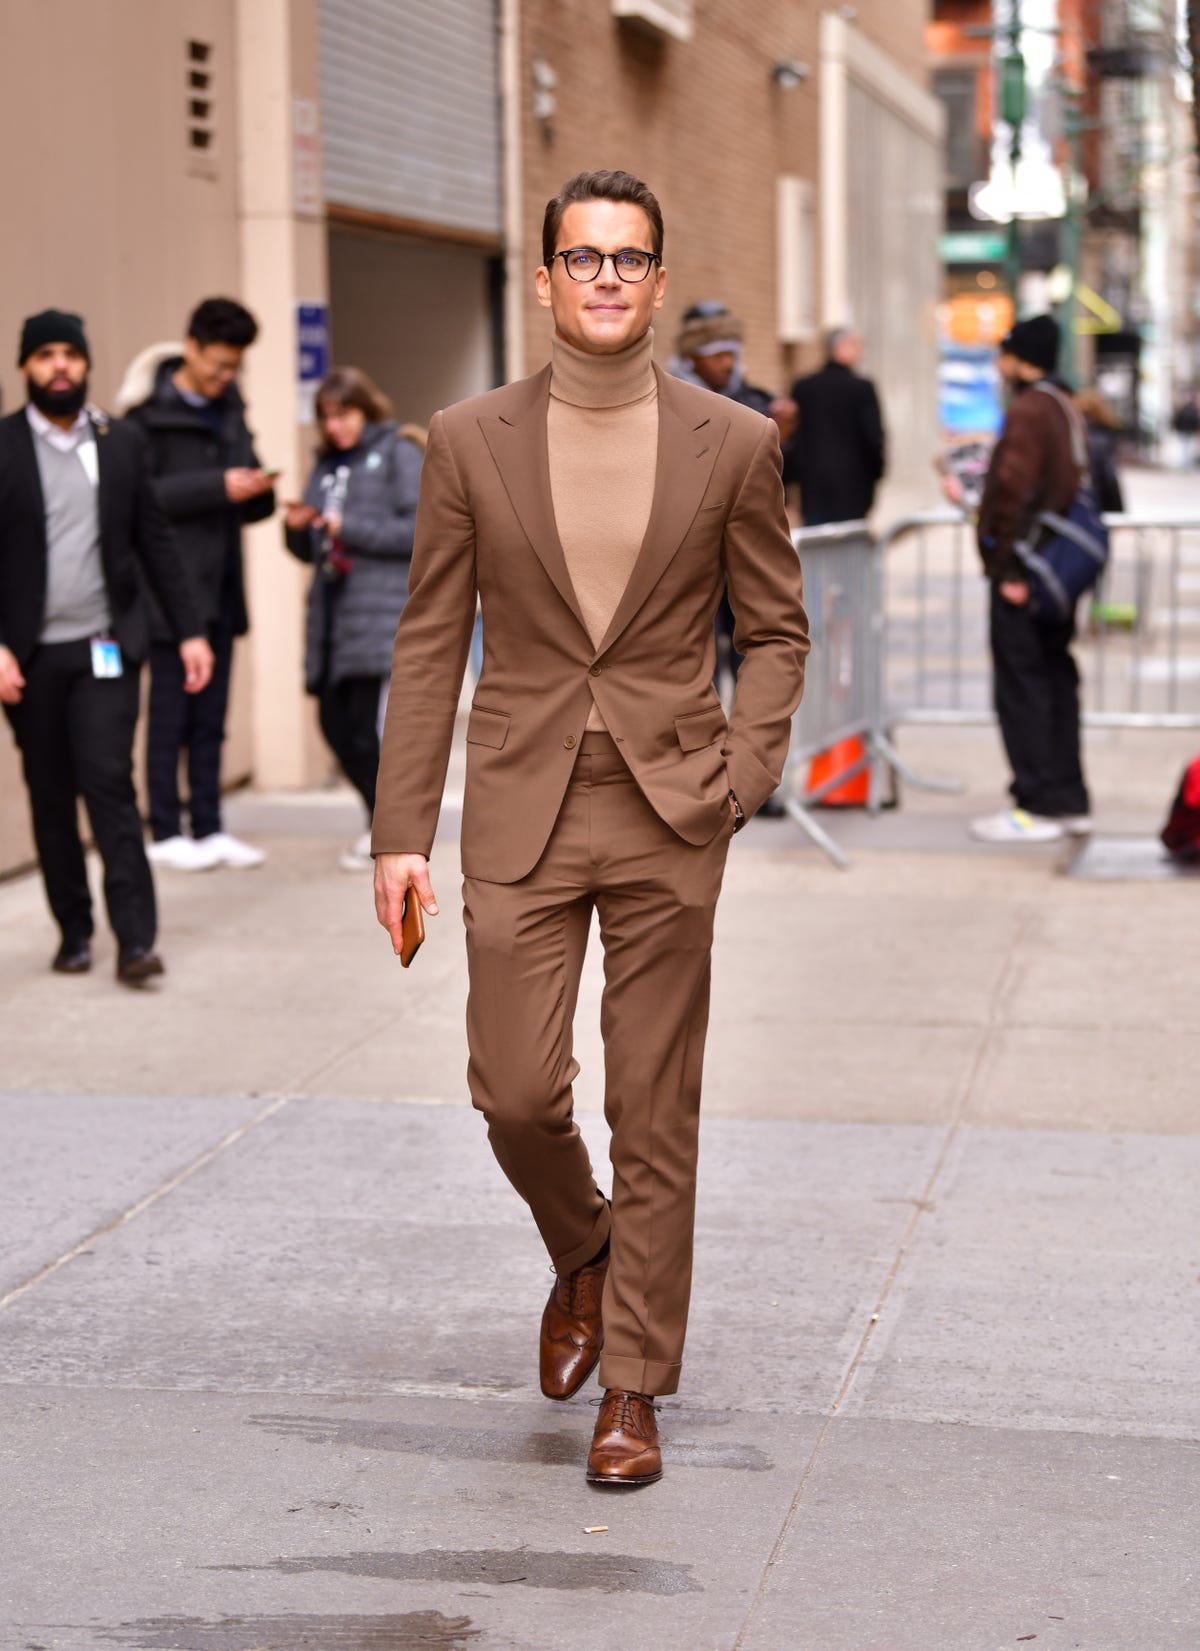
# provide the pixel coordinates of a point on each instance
(607, 314)
(715, 370)
(208, 369)
(56, 379)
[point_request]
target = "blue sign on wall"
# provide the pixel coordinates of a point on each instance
(312, 342)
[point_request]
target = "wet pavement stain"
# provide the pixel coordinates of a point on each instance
(413, 1631)
(494, 1444)
(609, 1573)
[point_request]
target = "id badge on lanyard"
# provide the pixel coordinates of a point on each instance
(106, 657)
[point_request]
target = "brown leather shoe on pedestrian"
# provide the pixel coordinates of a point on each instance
(625, 1444)
(572, 1333)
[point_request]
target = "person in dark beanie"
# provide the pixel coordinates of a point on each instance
(210, 483)
(838, 453)
(1035, 678)
(80, 534)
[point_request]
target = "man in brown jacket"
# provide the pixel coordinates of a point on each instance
(596, 509)
(1036, 682)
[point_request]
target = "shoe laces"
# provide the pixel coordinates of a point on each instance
(625, 1416)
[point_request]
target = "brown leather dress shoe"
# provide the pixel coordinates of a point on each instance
(138, 964)
(572, 1333)
(625, 1444)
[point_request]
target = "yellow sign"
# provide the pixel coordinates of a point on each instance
(1103, 319)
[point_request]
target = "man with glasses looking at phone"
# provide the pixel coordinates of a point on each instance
(596, 509)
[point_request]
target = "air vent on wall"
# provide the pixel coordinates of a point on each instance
(201, 121)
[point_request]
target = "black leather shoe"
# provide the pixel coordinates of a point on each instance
(73, 957)
(138, 964)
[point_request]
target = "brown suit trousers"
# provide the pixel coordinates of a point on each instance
(558, 822)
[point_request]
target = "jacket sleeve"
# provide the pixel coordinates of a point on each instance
(371, 534)
(870, 427)
(301, 542)
(428, 660)
(770, 626)
(191, 492)
(158, 552)
(1010, 492)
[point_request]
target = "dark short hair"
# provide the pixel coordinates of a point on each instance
(222, 321)
(600, 186)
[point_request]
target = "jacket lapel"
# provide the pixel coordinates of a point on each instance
(687, 450)
(517, 441)
(103, 485)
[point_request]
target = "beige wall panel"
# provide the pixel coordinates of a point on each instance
(412, 315)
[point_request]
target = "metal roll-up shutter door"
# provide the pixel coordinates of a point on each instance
(410, 110)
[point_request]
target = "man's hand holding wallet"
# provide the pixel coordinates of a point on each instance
(403, 894)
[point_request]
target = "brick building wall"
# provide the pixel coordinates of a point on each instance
(707, 127)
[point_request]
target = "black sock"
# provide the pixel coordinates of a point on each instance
(600, 1255)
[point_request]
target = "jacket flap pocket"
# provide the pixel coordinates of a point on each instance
(700, 728)
(486, 727)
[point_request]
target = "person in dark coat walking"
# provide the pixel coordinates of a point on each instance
(1036, 682)
(210, 483)
(838, 453)
(355, 525)
(81, 536)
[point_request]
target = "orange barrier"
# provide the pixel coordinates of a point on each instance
(827, 765)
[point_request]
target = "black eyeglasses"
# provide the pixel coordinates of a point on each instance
(585, 263)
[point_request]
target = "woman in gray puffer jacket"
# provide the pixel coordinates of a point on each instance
(355, 525)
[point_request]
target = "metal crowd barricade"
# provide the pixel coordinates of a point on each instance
(1138, 639)
(843, 681)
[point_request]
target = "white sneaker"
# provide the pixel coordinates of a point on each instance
(358, 858)
(182, 854)
(231, 851)
(1017, 826)
(1076, 825)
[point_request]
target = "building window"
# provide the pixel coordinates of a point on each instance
(965, 158)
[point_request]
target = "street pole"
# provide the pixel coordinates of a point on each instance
(1012, 110)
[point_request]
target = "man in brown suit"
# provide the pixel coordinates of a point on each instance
(596, 509)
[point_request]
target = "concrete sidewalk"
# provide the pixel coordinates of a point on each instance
(267, 1348)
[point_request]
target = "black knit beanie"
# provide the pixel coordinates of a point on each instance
(53, 327)
(1034, 341)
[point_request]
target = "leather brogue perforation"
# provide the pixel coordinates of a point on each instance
(572, 1330)
(625, 1448)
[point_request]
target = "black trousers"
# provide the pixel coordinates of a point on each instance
(1037, 703)
(195, 722)
(76, 738)
(349, 716)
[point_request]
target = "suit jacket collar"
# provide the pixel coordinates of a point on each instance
(689, 439)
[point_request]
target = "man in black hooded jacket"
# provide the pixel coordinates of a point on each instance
(210, 483)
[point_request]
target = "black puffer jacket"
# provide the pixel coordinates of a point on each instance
(188, 460)
(352, 622)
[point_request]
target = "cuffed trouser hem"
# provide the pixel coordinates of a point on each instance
(591, 1246)
(639, 1375)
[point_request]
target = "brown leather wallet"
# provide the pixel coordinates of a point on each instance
(412, 929)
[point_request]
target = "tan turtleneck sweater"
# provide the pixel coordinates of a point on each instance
(602, 428)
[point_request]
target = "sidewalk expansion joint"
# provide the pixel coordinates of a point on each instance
(143, 1204)
(924, 1205)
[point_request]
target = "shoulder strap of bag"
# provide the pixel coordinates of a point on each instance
(1079, 450)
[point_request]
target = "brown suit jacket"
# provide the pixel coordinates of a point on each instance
(485, 524)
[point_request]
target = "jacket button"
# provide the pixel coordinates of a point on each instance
(595, 670)
(569, 742)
